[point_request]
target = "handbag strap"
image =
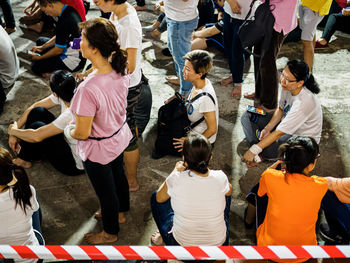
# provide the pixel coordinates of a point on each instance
(250, 10)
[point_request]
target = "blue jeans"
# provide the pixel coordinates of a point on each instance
(233, 48)
(179, 43)
(337, 214)
(163, 215)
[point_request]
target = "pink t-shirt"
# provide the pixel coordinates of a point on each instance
(103, 96)
(285, 13)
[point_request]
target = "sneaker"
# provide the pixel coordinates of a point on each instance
(320, 46)
(148, 28)
(331, 237)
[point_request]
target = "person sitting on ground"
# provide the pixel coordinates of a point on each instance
(38, 133)
(35, 19)
(336, 207)
(334, 22)
(299, 113)
(56, 53)
(159, 26)
(192, 206)
(197, 65)
(287, 201)
(19, 210)
(9, 65)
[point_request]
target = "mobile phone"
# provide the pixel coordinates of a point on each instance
(75, 44)
(255, 110)
(29, 52)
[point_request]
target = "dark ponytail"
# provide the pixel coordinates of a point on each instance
(300, 70)
(9, 172)
(298, 152)
(196, 151)
(102, 35)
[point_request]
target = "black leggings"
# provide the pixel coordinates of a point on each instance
(55, 149)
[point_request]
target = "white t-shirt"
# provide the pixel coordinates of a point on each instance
(198, 203)
(16, 226)
(202, 105)
(9, 64)
(61, 122)
(179, 10)
(245, 7)
(130, 36)
(302, 114)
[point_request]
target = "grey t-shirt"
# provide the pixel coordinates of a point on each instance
(9, 64)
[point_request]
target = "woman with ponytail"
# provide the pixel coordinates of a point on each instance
(299, 113)
(99, 108)
(287, 201)
(192, 206)
(18, 204)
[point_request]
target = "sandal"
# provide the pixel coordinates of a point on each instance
(156, 239)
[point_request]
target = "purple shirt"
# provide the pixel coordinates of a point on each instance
(104, 97)
(285, 13)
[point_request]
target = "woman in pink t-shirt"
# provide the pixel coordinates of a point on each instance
(99, 107)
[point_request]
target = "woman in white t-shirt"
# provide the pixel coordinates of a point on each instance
(197, 65)
(192, 206)
(38, 133)
(299, 113)
(19, 207)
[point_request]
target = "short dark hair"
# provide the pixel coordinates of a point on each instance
(63, 84)
(201, 61)
(44, 3)
(196, 151)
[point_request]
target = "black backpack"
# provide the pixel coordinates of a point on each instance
(259, 29)
(173, 122)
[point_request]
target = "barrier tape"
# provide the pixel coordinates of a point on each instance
(172, 252)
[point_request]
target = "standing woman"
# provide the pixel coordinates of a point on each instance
(99, 106)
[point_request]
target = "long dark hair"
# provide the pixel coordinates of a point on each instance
(196, 151)
(21, 189)
(298, 152)
(102, 35)
(300, 70)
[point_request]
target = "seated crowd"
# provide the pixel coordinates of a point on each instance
(105, 108)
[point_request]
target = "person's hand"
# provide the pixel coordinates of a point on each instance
(178, 143)
(180, 166)
(12, 126)
(37, 49)
(346, 12)
(156, 7)
(263, 134)
(14, 143)
(29, 9)
(194, 35)
(80, 76)
(35, 57)
(235, 7)
(248, 157)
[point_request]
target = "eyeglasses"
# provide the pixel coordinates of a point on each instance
(98, 2)
(282, 76)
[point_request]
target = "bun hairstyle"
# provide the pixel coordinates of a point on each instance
(298, 152)
(196, 151)
(21, 189)
(201, 61)
(63, 84)
(102, 35)
(300, 70)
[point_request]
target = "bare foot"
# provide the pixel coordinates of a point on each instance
(173, 79)
(100, 238)
(156, 239)
(140, 8)
(121, 217)
(249, 96)
(10, 30)
(38, 27)
(226, 81)
(236, 92)
(134, 187)
(22, 163)
(323, 41)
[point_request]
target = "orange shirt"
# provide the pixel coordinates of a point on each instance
(292, 210)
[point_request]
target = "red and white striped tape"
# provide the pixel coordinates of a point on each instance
(172, 252)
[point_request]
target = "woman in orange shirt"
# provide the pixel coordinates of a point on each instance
(288, 200)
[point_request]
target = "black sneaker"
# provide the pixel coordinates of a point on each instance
(331, 238)
(166, 52)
